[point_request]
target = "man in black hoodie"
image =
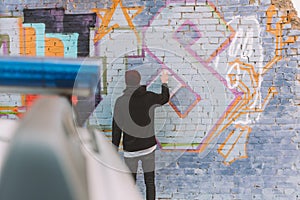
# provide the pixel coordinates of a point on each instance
(134, 117)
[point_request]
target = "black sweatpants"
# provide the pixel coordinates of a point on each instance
(148, 165)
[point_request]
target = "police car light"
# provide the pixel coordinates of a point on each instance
(41, 75)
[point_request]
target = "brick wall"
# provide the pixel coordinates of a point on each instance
(230, 130)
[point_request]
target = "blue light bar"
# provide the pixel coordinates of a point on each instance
(48, 75)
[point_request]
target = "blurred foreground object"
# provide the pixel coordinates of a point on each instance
(45, 160)
(38, 75)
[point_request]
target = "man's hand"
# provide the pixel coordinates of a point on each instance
(164, 77)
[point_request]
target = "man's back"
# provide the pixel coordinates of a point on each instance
(134, 114)
(134, 117)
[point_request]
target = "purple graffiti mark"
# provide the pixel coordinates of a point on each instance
(193, 34)
(192, 52)
(4, 116)
(5, 48)
(5, 43)
(186, 43)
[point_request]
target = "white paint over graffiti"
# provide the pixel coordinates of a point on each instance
(237, 75)
(247, 46)
(191, 39)
(243, 41)
(296, 4)
(10, 26)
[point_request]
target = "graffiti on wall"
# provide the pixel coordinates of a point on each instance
(48, 32)
(215, 84)
(10, 36)
(216, 66)
(51, 32)
(194, 42)
(108, 25)
(44, 32)
(5, 44)
(248, 81)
